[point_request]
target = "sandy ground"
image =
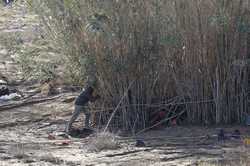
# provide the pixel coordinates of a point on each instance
(33, 135)
(26, 140)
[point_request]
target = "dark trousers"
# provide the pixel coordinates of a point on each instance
(78, 110)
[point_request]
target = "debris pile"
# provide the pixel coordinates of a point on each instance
(6, 93)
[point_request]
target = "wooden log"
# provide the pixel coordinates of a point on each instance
(25, 102)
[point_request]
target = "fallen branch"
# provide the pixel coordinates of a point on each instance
(25, 102)
(176, 158)
(128, 152)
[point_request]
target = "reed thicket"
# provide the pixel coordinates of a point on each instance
(169, 50)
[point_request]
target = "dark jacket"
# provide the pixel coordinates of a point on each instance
(84, 97)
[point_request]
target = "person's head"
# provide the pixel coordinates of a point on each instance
(89, 90)
(92, 94)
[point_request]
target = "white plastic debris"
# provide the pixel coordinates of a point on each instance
(2, 82)
(12, 96)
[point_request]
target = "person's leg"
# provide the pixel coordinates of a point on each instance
(75, 115)
(87, 119)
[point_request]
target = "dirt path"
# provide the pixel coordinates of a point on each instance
(32, 135)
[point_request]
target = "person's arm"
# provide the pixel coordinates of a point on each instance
(94, 98)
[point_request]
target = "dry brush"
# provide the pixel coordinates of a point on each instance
(196, 50)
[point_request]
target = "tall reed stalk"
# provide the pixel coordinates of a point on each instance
(196, 50)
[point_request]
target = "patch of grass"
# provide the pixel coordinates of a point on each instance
(103, 141)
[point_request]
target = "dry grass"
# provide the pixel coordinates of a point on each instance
(103, 141)
(195, 49)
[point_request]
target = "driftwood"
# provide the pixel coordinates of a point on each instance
(21, 103)
(128, 152)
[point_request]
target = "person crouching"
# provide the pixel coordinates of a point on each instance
(80, 106)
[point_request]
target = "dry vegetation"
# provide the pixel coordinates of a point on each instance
(193, 50)
(145, 56)
(103, 141)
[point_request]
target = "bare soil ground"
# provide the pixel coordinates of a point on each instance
(33, 134)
